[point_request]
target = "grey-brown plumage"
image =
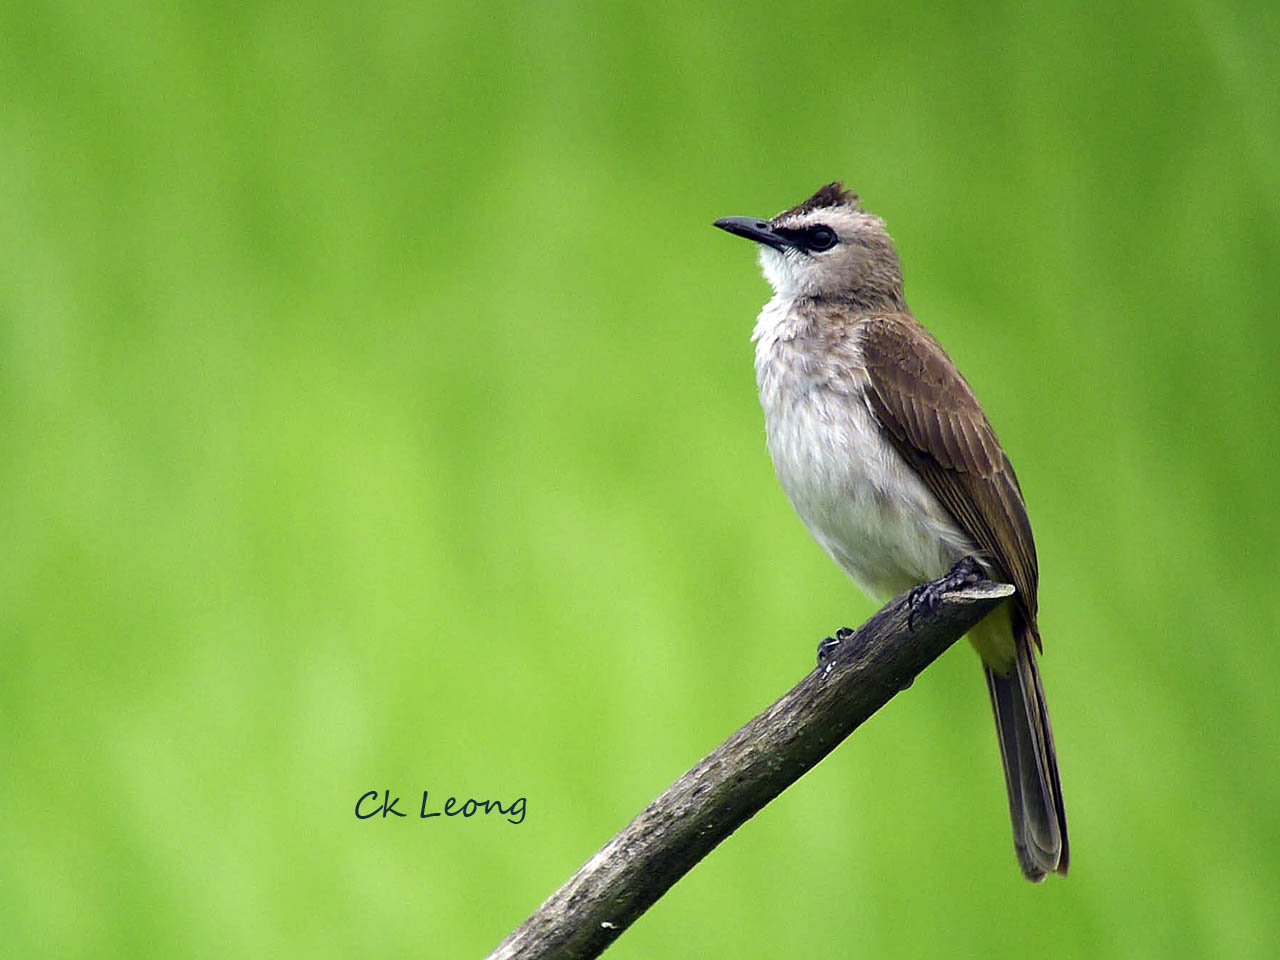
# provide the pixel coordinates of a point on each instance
(935, 422)
(891, 462)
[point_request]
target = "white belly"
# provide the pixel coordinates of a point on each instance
(861, 501)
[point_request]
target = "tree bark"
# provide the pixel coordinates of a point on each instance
(857, 674)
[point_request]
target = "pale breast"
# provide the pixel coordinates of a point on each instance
(861, 501)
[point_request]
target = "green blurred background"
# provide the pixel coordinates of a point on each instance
(379, 414)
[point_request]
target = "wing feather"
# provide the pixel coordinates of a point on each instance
(933, 419)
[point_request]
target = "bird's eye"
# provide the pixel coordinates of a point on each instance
(820, 238)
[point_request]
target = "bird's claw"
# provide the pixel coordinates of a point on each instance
(829, 645)
(965, 572)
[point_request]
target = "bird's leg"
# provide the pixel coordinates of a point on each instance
(965, 572)
(827, 648)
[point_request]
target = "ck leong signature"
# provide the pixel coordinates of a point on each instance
(372, 804)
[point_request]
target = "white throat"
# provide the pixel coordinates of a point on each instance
(785, 272)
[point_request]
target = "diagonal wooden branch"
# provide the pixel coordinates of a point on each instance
(855, 677)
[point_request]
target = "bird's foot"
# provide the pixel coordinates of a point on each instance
(922, 598)
(925, 597)
(827, 648)
(966, 572)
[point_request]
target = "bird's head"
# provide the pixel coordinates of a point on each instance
(827, 248)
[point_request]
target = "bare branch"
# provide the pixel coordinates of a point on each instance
(855, 677)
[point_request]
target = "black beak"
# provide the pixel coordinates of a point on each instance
(754, 229)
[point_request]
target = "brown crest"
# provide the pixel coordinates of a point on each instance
(832, 195)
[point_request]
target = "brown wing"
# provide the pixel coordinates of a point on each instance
(933, 419)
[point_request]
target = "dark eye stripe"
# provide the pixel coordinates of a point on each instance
(816, 238)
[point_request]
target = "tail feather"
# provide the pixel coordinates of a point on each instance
(1030, 765)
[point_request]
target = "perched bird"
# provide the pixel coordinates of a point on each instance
(888, 458)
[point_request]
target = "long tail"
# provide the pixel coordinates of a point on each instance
(1030, 765)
